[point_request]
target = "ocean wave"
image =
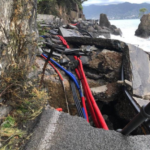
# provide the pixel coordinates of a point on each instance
(128, 28)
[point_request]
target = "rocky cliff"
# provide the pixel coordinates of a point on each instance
(66, 9)
(144, 27)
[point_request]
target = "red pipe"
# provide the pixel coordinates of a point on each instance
(90, 106)
(95, 112)
(60, 76)
(78, 74)
(63, 41)
(89, 101)
(74, 24)
(98, 113)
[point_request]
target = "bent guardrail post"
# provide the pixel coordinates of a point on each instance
(137, 120)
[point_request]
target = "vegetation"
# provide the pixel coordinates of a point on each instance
(49, 6)
(27, 101)
(142, 12)
(17, 89)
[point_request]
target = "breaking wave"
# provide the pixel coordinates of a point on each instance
(128, 28)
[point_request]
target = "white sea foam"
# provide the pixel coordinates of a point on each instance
(128, 28)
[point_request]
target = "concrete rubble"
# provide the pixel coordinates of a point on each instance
(103, 60)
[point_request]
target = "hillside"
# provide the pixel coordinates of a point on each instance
(115, 11)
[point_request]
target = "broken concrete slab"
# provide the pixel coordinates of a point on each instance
(60, 131)
(106, 93)
(140, 66)
(69, 33)
(114, 45)
(141, 102)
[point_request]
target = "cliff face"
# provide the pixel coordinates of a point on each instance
(17, 32)
(68, 10)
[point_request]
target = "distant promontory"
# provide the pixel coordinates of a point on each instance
(115, 11)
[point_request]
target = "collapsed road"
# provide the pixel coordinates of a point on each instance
(103, 81)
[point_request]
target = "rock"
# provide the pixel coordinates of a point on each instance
(104, 33)
(107, 62)
(106, 93)
(105, 24)
(4, 111)
(108, 122)
(94, 76)
(117, 32)
(144, 27)
(46, 18)
(97, 27)
(113, 27)
(90, 29)
(74, 7)
(54, 127)
(85, 60)
(124, 110)
(73, 15)
(105, 28)
(104, 21)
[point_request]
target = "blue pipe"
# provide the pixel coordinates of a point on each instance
(84, 113)
(72, 77)
(68, 73)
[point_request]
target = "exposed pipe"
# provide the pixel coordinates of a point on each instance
(146, 123)
(95, 112)
(61, 78)
(137, 120)
(70, 75)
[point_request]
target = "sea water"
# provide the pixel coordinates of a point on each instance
(128, 28)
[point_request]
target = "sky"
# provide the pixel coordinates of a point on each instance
(89, 2)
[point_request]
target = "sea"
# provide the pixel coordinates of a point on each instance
(128, 28)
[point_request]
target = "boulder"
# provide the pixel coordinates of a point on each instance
(113, 27)
(97, 27)
(90, 29)
(4, 111)
(117, 32)
(107, 63)
(144, 27)
(104, 20)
